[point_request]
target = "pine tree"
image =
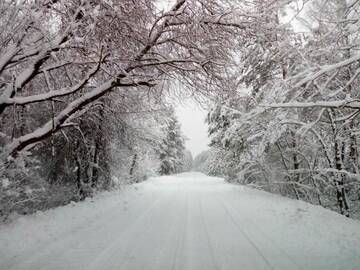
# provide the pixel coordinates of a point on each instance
(172, 149)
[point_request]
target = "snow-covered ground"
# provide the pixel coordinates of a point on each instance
(188, 221)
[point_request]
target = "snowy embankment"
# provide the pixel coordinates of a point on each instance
(188, 221)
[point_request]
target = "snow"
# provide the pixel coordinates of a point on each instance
(323, 70)
(351, 104)
(11, 51)
(5, 182)
(62, 116)
(53, 94)
(187, 221)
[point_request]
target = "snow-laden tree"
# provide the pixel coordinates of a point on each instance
(323, 95)
(72, 73)
(200, 160)
(187, 161)
(67, 55)
(299, 125)
(172, 147)
(134, 151)
(68, 69)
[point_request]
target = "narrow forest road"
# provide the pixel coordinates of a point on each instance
(188, 221)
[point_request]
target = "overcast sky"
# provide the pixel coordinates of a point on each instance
(192, 119)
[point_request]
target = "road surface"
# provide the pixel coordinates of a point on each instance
(188, 221)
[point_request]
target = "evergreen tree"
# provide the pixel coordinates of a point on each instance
(171, 149)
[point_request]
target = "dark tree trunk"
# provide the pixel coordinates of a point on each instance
(95, 170)
(339, 180)
(133, 165)
(79, 182)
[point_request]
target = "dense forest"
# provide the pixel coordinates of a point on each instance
(84, 88)
(82, 101)
(293, 129)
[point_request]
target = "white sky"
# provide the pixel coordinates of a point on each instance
(192, 119)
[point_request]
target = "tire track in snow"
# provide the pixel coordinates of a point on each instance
(181, 237)
(61, 247)
(243, 233)
(111, 249)
(29, 256)
(67, 243)
(208, 238)
(151, 230)
(269, 240)
(179, 232)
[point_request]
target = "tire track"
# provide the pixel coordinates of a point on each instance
(111, 249)
(269, 240)
(66, 235)
(181, 238)
(66, 242)
(103, 223)
(150, 230)
(244, 234)
(208, 238)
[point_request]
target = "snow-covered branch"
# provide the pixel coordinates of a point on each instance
(337, 104)
(53, 94)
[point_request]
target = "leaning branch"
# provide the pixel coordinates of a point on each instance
(349, 104)
(53, 94)
(58, 121)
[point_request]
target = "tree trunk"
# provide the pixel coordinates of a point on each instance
(133, 165)
(339, 177)
(95, 170)
(79, 182)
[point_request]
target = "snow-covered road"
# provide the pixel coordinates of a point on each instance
(188, 221)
